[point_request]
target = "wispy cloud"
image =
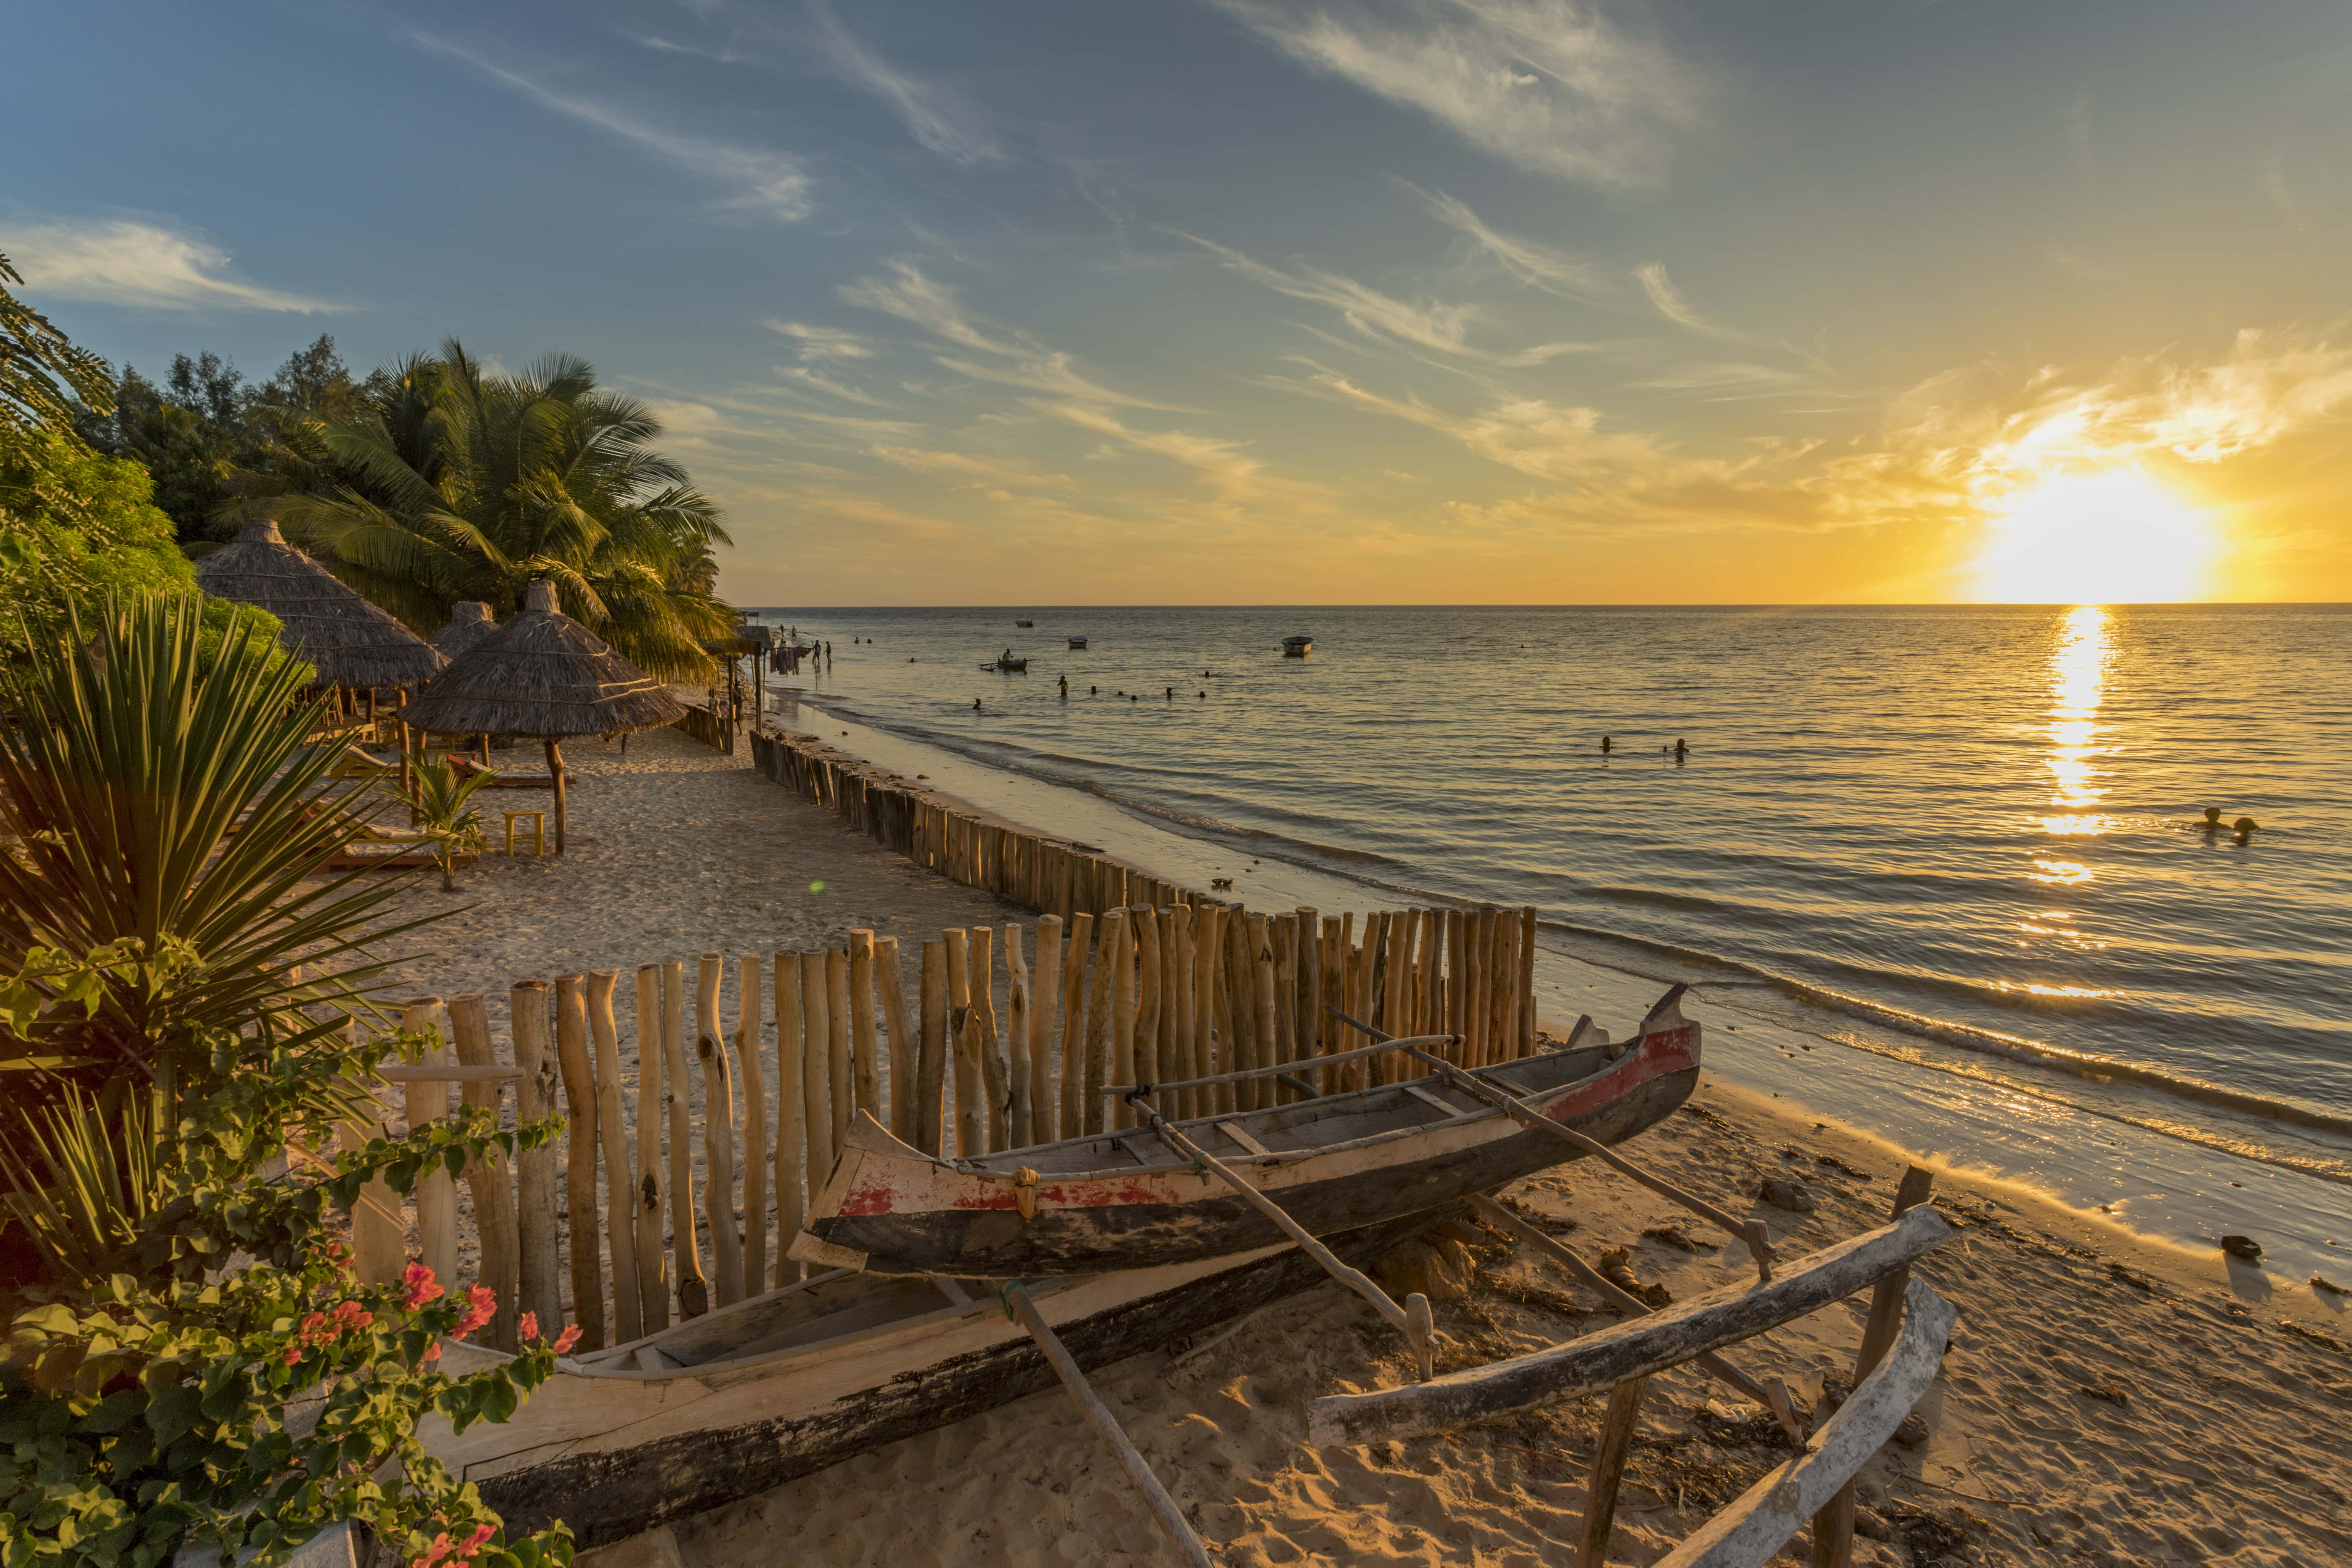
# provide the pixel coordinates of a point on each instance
(763, 183)
(937, 119)
(1550, 85)
(803, 375)
(959, 466)
(820, 342)
(1233, 475)
(1553, 271)
(1427, 324)
(905, 290)
(127, 261)
(1675, 307)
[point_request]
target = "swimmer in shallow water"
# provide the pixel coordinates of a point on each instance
(1605, 745)
(2244, 829)
(2212, 819)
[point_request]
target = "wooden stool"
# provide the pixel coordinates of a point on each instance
(538, 830)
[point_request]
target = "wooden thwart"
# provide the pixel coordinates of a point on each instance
(1679, 1333)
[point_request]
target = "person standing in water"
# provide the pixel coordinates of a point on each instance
(1065, 689)
(1605, 745)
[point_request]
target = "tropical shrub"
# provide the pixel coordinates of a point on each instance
(445, 810)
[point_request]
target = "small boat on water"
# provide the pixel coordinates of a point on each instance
(1127, 1200)
(1008, 664)
(1025, 623)
(751, 1395)
(1078, 642)
(1297, 648)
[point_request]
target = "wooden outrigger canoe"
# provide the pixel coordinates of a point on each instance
(752, 1396)
(1126, 1200)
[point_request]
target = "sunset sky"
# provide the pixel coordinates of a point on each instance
(1263, 301)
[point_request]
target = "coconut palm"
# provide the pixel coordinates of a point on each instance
(456, 484)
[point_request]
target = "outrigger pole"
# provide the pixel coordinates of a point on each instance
(1752, 1232)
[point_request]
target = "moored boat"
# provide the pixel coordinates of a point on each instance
(1297, 648)
(749, 1396)
(1025, 623)
(1125, 1200)
(1078, 642)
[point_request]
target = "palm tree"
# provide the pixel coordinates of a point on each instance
(455, 484)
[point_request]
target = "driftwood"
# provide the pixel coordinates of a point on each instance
(1752, 1232)
(1637, 1349)
(1592, 1279)
(1833, 1526)
(1750, 1531)
(1106, 1425)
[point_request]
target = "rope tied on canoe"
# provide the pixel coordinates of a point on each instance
(1004, 1299)
(1159, 1123)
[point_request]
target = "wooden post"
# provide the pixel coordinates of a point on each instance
(865, 1047)
(499, 1257)
(541, 1276)
(995, 1090)
(1457, 983)
(1072, 1082)
(791, 1127)
(753, 1073)
(653, 1240)
(1526, 980)
(902, 1043)
(717, 1132)
(1098, 1416)
(1283, 931)
(1092, 1062)
(816, 1076)
(837, 1042)
(1607, 1472)
(1229, 1005)
(686, 1248)
(1431, 1018)
(379, 1246)
(1173, 1051)
(1043, 1015)
(1478, 997)
(1832, 1540)
(1269, 1048)
(930, 1067)
(555, 774)
(1208, 954)
(1148, 922)
(1179, 1059)
(1402, 928)
(968, 1128)
(1123, 1009)
(437, 1194)
(620, 1173)
(1310, 965)
(1016, 1049)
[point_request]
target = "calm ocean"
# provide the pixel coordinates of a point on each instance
(1931, 833)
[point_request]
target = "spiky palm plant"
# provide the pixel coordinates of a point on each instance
(462, 485)
(170, 809)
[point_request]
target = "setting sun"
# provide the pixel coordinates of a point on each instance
(2117, 537)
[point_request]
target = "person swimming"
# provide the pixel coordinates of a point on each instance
(1605, 745)
(2212, 819)
(2244, 829)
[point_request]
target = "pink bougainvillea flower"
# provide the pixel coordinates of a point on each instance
(433, 1351)
(482, 1306)
(422, 1286)
(530, 1327)
(567, 1339)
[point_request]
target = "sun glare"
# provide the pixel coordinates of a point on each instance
(2117, 537)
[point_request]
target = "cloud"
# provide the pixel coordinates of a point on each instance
(935, 117)
(976, 470)
(1430, 325)
(1553, 271)
(1235, 477)
(1677, 308)
(904, 290)
(125, 261)
(765, 183)
(804, 376)
(820, 342)
(1549, 85)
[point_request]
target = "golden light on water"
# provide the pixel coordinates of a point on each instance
(2078, 681)
(2113, 537)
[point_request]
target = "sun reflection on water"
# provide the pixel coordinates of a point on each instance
(2078, 672)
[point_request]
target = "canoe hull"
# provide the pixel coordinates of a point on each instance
(612, 1455)
(920, 1216)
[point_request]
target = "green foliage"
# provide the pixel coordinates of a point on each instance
(42, 374)
(249, 1415)
(454, 484)
(445, 810)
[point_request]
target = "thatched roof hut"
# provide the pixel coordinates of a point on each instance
(352, 644)
(470, 622)
(543, 674)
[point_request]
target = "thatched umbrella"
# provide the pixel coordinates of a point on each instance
(543, 674)
(470, 622)
(351, 644)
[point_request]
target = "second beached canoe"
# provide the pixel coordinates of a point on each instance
(1126, 1201)
(749, 1396)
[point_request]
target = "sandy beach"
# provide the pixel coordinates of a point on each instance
(2106, 1402)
